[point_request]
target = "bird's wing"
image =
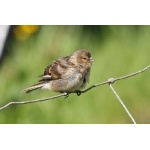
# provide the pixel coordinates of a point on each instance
(56, 69)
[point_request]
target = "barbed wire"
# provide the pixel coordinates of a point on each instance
(110, 81)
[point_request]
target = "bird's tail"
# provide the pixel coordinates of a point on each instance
(33, 87)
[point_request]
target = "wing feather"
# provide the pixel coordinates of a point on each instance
(55, 70)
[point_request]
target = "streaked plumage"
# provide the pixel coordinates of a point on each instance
(66, 74)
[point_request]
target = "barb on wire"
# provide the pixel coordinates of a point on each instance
(110, 81)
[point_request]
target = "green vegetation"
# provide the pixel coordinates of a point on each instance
(117, 51)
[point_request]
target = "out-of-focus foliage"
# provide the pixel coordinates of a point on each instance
(117, 51)
(22, 32)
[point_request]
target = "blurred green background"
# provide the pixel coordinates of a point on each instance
(117, 51)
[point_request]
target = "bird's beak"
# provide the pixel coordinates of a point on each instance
(91, 59)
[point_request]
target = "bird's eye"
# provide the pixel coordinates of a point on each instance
(84, 58)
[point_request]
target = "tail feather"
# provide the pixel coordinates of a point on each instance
(33, 87)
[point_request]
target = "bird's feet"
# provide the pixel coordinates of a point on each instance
(66, 95)
(78, 92)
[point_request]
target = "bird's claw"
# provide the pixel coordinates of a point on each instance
(66, 95)
(78, 93)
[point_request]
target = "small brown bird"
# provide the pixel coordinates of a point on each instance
(66, 74)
